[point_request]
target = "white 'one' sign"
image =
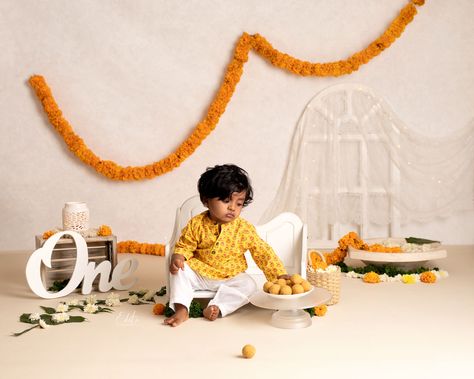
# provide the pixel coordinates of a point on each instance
(83, 270)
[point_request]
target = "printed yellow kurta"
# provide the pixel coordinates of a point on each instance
(216, 251)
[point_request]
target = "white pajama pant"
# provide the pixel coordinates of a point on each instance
(231, 294)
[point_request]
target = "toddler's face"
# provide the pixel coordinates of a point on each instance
(224, 211)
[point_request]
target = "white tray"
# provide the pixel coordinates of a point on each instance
(398, 259)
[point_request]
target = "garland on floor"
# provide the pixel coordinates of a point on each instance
(232, 76)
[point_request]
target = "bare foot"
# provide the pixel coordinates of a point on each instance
(180, 316)
(211, 312)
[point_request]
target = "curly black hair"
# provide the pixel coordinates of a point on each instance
(222, 181)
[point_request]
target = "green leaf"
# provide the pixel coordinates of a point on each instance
(419, 241)
(310, 311)
(48, 310)
(58, 285)
(383, 269)
(25, 317)
(81, 307)
(195, 310)
(24, 331)
(103, 309)
(76, 319)
(168, 311)
(48, 319)
(161, 292)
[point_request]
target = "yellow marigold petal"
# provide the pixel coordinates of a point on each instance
(320, 310)
(371, 277)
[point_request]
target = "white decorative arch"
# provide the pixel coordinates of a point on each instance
(354, 162)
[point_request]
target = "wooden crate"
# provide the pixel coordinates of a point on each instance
(63, 258)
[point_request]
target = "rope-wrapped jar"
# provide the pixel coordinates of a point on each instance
(75, 216)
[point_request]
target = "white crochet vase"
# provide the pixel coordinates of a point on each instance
(75, 216)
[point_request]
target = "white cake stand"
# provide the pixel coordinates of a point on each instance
(290, 313)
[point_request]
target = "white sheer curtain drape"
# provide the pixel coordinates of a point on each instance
(353, 161)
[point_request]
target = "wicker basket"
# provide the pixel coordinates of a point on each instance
(330, 281)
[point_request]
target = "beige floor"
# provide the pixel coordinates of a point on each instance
(376, 331)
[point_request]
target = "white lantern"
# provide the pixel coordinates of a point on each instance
(75, 216)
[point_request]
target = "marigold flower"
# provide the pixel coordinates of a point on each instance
(104, 231)
(158, 309)
(371, 277)
(428, 277)
(48, 234)
(231, 78)
(408, 279)
(320, 310)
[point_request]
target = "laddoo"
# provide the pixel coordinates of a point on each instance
(248, 351)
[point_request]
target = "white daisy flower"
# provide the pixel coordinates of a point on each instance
(74, 301)
(91, 299)
(112, 300)
(60, 317)
(62, 308)
(91, 308)
(149, 295)
(133, 299)
(34, 316)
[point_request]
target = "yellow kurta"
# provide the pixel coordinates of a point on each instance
(216, 251)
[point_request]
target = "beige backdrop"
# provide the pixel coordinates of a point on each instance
(134, 78)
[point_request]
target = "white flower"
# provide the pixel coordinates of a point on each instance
(62, 308)
(384, 278)
(112, 300)
(149, 295)
(353, 274)
(133, 299)
(91, 308)
(443, 273)
(91, 299)
(60, 317)
(43, 324)
(74, 301)
(396, 278)
(34, 316)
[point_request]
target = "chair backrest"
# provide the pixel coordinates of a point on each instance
(286, 233)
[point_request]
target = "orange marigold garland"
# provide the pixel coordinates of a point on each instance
(428, 277)
(134, 247)
(232, 76)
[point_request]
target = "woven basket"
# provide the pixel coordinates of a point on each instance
(330, 281)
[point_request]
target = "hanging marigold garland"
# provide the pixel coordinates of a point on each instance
(234, 71)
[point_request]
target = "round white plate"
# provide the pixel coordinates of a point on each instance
(406, 259)
(289, 297)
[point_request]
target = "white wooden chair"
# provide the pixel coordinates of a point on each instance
(286, 233)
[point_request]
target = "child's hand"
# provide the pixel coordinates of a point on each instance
(286, 277)
(177, 262)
